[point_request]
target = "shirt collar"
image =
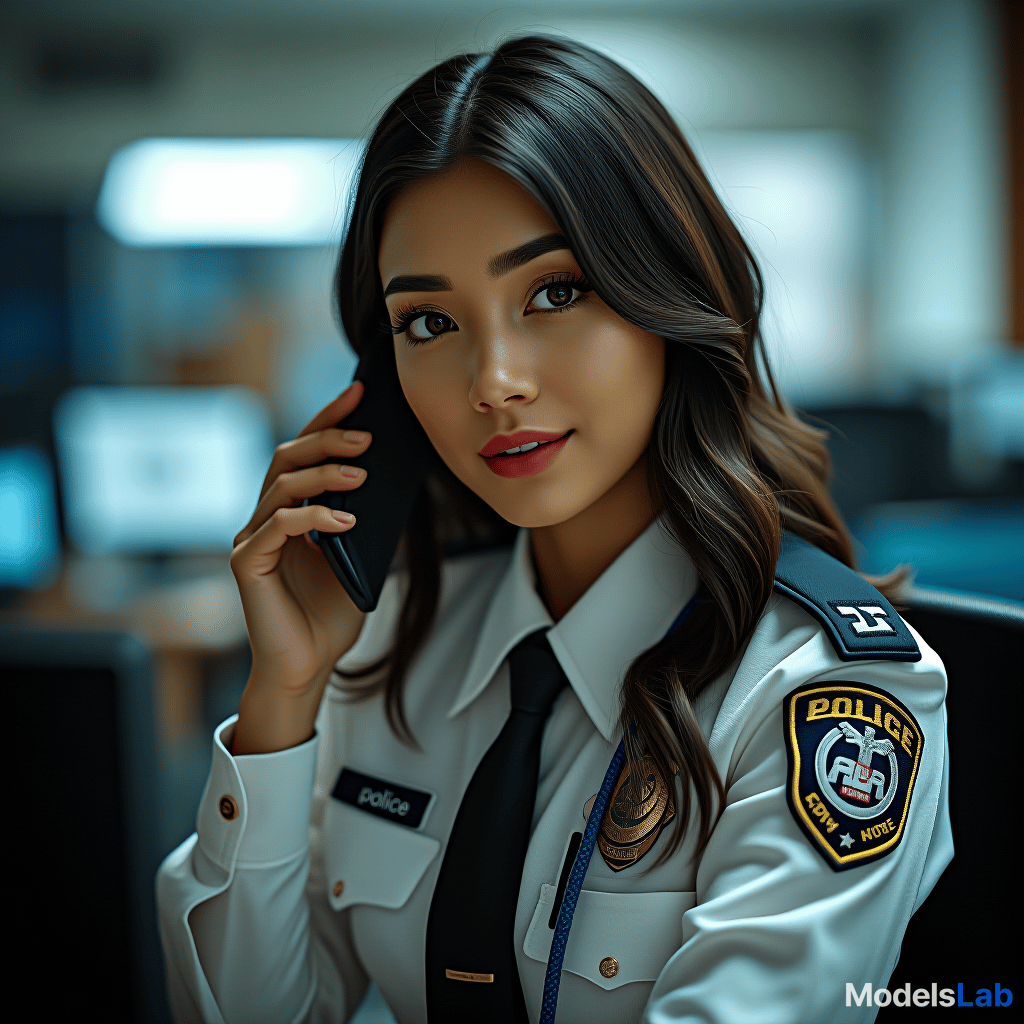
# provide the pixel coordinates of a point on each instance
(626, 611)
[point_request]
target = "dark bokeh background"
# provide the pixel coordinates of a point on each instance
(870, 150)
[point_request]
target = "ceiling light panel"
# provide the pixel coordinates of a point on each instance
(258, 192)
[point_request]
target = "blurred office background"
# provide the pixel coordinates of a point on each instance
(172, 186)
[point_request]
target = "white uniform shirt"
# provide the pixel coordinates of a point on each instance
(264, 918)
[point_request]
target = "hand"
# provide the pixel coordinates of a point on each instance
(299, 617)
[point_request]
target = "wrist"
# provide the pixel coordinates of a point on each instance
(272, 719)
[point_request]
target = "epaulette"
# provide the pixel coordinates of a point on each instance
(860, 622)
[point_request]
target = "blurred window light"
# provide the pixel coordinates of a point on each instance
(160, 470)
(29, 534)
(801, 200)
(271, 192)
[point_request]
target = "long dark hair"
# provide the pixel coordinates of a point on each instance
(729, 464)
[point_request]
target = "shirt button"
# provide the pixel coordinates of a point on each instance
(609, 967)
(339, 888)
(228, 808)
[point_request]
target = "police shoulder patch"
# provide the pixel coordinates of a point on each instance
(854, 752)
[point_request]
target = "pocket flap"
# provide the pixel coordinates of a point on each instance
(639, 930)
(370, 860)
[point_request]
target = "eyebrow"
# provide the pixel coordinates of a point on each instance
(506, 262)
(418, 283)
(502, 264)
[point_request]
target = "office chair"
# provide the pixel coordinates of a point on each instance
(82, 791)
(965, 932)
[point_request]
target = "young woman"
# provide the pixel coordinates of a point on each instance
(665, 757)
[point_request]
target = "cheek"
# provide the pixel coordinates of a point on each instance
(430, 391)
(621, 373)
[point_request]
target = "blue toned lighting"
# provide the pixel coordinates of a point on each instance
(272, 192)
(998, 406)
(29, 535)
(160, 469)
(974, 545)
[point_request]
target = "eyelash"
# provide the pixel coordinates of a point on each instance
(406, 316)
(578, 282)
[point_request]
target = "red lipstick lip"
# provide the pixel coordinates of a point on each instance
(530, 463)
(503, 442)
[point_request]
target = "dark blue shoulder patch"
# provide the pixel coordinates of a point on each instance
(861, 624)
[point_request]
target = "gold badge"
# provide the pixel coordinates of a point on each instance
(642, 804)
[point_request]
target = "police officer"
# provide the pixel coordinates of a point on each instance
(481, 846)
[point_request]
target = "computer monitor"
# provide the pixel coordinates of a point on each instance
(29, 534)
(160, 470)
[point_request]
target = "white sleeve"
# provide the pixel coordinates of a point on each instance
(242, 940)
(777, 934)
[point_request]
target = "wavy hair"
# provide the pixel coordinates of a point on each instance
(729, 464)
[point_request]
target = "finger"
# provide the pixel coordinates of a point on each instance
(331, 442)
(336, 410)
(291, 489)
(260, 553)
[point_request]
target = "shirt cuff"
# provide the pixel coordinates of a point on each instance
(256, 808)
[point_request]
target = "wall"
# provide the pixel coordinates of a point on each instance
(909, 88)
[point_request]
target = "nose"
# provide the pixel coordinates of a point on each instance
(504, 373)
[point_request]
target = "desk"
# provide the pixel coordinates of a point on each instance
(185, 621)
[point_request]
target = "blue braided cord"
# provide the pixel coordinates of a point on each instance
(572, 889)
(553, 977)
(682, 616)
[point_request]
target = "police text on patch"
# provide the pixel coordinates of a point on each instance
(392, 801)
(854, 751)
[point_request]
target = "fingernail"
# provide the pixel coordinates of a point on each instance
(351, 472)
(355, 436)
(344, 517)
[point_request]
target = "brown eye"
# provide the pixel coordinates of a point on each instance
(558, 295)
(423, 328)
(437, 324)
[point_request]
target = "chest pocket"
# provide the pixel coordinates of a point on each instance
(638, 930)
(370, 860)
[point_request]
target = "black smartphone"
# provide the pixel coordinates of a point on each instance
(396, 463)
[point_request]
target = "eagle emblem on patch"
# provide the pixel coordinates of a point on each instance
(854, 753)
(641, 805)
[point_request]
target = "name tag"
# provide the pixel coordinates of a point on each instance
(388, 800)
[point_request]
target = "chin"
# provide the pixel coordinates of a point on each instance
(532, 511)
(530, 520)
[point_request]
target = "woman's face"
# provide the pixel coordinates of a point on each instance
(500, 343)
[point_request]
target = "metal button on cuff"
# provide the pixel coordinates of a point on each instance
(228, 808)
(339, 888)
(609, 967)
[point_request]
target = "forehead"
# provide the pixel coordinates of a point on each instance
(458, 219)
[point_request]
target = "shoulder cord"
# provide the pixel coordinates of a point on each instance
(579, 869)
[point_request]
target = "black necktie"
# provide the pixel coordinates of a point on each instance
(473, 911)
